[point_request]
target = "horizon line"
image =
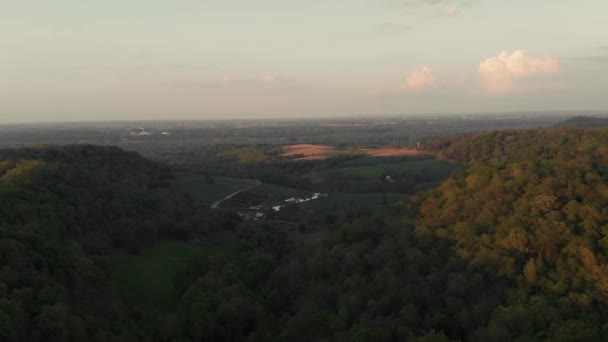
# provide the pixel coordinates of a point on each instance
(311, 118)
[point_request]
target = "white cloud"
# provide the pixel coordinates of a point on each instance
(420, 81)
(503, 73)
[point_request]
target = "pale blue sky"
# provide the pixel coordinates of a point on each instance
(185, 59)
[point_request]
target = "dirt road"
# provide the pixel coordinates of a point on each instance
(218, 203)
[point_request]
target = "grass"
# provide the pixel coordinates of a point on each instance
(433, 168)
(146, 280)
(338, 200)
(277, 191)
(205, 193)
(248, 155)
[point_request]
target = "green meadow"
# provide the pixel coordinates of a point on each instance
(146, 279)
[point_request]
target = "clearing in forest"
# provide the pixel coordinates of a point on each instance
(308, 151)
(146, 279)
(319, 152)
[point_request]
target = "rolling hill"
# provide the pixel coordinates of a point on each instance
(584, 121)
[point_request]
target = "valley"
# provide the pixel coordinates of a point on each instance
(350, 246)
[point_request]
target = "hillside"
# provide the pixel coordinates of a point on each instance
(584, 121)
(509, 249)
(532, 210)
(60, 208)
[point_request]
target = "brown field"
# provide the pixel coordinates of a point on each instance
(318, 152)
(393, 152)
(308, 151)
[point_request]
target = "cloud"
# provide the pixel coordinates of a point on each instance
(420, 81)
(503, 73)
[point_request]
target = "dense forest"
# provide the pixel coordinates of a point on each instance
(531, 209)
(512, 247)
(60, 207)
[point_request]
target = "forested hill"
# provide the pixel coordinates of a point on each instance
(61, 206)
(531, 209)
(102, 196)
(519, 145)
(584, 121)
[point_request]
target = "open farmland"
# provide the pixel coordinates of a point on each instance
(308, 151)
(277, 192)
(336, 201)
(393, 152)
(319, 152)
(245, 200)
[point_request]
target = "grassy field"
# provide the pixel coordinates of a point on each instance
(205, 193)
(146, 280)
(337, 200)
(434, 168)
(278, 193)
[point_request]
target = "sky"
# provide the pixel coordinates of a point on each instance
(73, 60)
